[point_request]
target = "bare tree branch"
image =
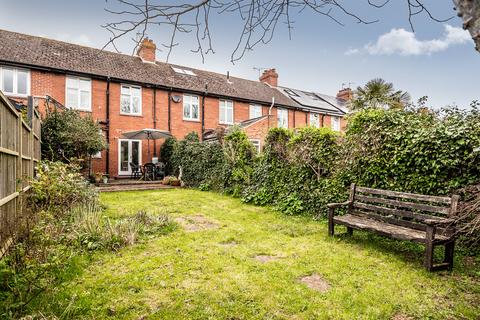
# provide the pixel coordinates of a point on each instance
(258, 19)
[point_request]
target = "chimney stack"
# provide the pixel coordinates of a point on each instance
(270, 76)
(345, 94)
(146, 50)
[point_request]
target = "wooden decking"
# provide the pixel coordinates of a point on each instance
(131, 185)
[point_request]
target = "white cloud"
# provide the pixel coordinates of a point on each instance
(352, 51)
(405, 43)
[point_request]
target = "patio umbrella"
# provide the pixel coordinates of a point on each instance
(148, 134)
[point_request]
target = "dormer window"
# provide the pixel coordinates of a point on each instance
(183, 71)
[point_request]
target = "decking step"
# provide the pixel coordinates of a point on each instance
(126, 187)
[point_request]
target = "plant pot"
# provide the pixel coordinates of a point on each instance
(105, 180)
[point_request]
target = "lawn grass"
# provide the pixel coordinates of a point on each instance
(213, 274)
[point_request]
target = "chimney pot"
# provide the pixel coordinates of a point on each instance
(345, 94)
(270, 76)
(146, 50)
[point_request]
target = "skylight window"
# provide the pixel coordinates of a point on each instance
(183, 71)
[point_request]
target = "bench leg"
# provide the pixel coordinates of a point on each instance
(428, 263)
(349, 231)
(331, 227)
(449, 247)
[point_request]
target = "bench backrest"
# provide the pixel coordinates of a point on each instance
(401, 208)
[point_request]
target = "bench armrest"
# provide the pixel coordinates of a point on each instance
(337, 205)
(438, 223)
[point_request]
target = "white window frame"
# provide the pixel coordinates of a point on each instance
(335, 123)
(189, 99)
(139, 113)
(257, 144)
(77, 107)
(15, 81)
(255, 111)
(224, 109)
(315, 124)
(282, 111)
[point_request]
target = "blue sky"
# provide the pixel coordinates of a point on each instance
(438, 60)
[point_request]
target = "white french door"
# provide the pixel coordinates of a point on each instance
(129, 151)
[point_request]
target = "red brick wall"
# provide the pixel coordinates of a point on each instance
(45, 83)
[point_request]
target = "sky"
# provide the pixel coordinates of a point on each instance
(438, 60)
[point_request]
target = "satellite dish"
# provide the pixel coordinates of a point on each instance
(176, 98)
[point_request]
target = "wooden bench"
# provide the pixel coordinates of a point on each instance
(404, 216)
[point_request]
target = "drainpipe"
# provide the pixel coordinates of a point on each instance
(203, 110)
(107, 127)
(323, 116)
(294, 112)
(154, 119)
(169, 109)
(270, 111)
(306, 118)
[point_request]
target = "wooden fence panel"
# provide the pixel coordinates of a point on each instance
(19, 154)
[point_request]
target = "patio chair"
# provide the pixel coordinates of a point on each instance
(135, 171)
(160, 170)
(149, 171)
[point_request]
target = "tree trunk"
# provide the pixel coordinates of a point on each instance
(469, 11)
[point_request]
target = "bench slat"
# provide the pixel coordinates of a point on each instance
(405, 195)
(404, 204)
(396, 212)
(390, 220)
(385, 229)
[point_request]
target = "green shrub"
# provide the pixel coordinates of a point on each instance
(69, 135)
(415, 151)
(166, 153)
(59, 187)
(201, 162)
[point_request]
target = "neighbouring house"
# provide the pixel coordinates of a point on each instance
(125, 93)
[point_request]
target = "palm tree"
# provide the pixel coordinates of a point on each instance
(378, 93)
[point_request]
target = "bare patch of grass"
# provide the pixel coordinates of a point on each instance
(316, 282)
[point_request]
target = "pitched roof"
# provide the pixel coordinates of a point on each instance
(313, 101)
(35, 51)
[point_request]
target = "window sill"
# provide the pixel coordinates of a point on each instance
(191, 120)
(226, 123)
(131, 115)
(15, 95)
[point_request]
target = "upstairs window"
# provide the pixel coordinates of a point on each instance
(226, 112)
(191, 108)
(255, 111)
(131, 100)
(282, 118)
(315, 120)
(335, 123)
(14, 81)
(79, 94)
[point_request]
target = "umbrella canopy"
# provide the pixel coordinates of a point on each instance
(149, 134)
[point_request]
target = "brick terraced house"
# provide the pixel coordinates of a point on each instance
(126, 93)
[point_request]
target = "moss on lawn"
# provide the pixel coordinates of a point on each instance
(213, 273)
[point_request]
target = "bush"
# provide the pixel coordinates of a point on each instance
(201, 162)
(58, 187)
(68, 135)
(413, 151)
(166, 153)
